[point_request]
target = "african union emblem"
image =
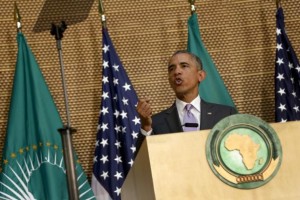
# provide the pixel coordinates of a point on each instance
(243, 151)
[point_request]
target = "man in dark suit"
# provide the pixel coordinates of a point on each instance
(185, 72)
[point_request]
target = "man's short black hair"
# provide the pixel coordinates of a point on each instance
(196, 58)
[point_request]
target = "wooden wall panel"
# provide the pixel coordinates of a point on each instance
(239, 34)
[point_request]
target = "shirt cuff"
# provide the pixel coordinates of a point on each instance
(145, 133)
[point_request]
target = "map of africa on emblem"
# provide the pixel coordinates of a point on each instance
(243, 151)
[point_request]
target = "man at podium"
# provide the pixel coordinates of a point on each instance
(189, 112)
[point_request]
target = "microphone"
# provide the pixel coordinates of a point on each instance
(190, 125)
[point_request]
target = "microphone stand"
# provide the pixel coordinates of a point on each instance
(67, 130)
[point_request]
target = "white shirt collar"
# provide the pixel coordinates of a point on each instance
(181, 104)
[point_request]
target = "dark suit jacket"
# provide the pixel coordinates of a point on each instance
(168, 121)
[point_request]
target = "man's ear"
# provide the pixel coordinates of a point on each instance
(201, 75)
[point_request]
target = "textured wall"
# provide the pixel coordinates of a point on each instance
(239, 34)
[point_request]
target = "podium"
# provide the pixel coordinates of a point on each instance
(174, 166)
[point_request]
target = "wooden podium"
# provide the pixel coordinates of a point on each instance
(174, 166)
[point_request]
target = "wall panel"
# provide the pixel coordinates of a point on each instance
(239, 34)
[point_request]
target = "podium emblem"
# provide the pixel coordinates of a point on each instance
(243, 151)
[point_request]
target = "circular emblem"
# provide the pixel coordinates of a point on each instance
(243, 151)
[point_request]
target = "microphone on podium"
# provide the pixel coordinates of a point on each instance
(194, 125)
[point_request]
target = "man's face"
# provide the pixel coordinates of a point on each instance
(184, 76)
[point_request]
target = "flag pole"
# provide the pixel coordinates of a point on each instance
(102, 14)
(17, 18)
(67, 130)
(193, 7)
(278, 3)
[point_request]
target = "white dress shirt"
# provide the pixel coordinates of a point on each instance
(196, 110)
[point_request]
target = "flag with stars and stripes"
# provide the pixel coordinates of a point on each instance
(287, 76)
(118, 126)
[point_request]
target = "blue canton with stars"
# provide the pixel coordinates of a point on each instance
(119, 124)
(287, 76)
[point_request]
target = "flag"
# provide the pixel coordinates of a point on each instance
(118, 126)
(212, 89)
(287, 75)
(33, 163)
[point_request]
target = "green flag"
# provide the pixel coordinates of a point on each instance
(212, 88)
(33, 163)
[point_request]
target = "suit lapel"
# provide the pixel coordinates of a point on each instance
(172, 119)
(207, 117)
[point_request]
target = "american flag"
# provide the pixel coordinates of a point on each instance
(287, 75)
(118, 127)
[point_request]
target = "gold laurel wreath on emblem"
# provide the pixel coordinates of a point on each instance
(248, 178)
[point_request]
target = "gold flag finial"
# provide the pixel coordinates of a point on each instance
(101, 12)
(17, 17)
(193, 7)
(278, 3)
